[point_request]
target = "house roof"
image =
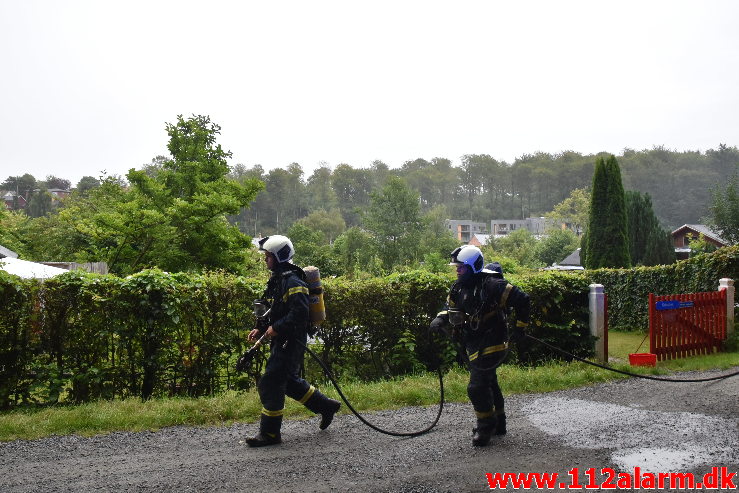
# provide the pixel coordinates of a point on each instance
(29, 270)
(6, 252)
(572, 259)
(481, 238)
(704, 230)
(564, 267)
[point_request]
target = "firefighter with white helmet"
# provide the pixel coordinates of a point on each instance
(289, 320)
(476, 311)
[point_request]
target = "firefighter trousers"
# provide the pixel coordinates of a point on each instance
(282, 378)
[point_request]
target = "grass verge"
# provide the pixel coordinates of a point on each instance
(418, 390)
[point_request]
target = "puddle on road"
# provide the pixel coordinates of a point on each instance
(655, 441)
(670, 460)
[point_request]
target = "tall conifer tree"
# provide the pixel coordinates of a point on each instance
(647, 239)
(607, 243)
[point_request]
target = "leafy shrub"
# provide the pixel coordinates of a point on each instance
(18, 321)
(628, 289)
(83, 336)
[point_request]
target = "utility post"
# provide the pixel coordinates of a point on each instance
(597, 303)
(16, 201)
(728, 285)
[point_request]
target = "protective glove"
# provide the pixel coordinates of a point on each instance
(519, 332)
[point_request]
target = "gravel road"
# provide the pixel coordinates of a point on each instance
(657, 426)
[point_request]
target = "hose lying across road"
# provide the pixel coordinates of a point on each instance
(328, 373)
(363, 420)
(609, 368)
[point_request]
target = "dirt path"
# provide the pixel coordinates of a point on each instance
(659, 427)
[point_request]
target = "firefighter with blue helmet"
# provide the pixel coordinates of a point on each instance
(476, 310)
(289, 321)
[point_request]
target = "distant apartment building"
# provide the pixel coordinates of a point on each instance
(463, 230)
(501, 227)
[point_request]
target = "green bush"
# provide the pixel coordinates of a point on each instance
(18, 330)
(628, 289)
(151, 333)
(81, 336)
(559, 316)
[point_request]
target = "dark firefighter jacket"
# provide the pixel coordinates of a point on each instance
(485, 300)
(287, 293)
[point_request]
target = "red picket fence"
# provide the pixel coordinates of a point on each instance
(682, 325)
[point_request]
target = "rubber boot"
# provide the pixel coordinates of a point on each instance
(320, 404)
(484, 430)
(327, 415)
(500, 428)
(269, 432)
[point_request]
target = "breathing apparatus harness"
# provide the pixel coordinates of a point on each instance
(462, 321)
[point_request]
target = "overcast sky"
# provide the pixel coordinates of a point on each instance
(88, 86)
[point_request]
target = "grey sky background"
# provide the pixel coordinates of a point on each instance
(88, 86)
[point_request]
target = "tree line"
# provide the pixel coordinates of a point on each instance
(482, 188)
(191, 210)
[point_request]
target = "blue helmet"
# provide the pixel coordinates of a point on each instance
(495, 268)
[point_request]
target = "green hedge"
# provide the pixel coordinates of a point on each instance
(628, 289)
(17, 332)
(83, 336)
(87, 336)
(559, 316)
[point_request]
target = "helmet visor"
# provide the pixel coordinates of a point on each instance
(454, 254)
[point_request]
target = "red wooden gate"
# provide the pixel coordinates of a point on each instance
(682, 325)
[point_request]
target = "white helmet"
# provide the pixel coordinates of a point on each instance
(279, 246)
(468, 255)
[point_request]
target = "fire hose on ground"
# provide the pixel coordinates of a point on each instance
(246, 358)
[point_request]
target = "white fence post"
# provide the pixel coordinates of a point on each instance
(728, 285)
(597, 304)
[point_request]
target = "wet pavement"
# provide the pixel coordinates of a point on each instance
(655, 426)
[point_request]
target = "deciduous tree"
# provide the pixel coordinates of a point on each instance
(176, 219)
(52, 181)
(352, 188)
(572, 211)
(394, 220)
(329, 224)
(86, 184)
(40, 203)
(557, 245)
(520, 245)
(20, 186)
